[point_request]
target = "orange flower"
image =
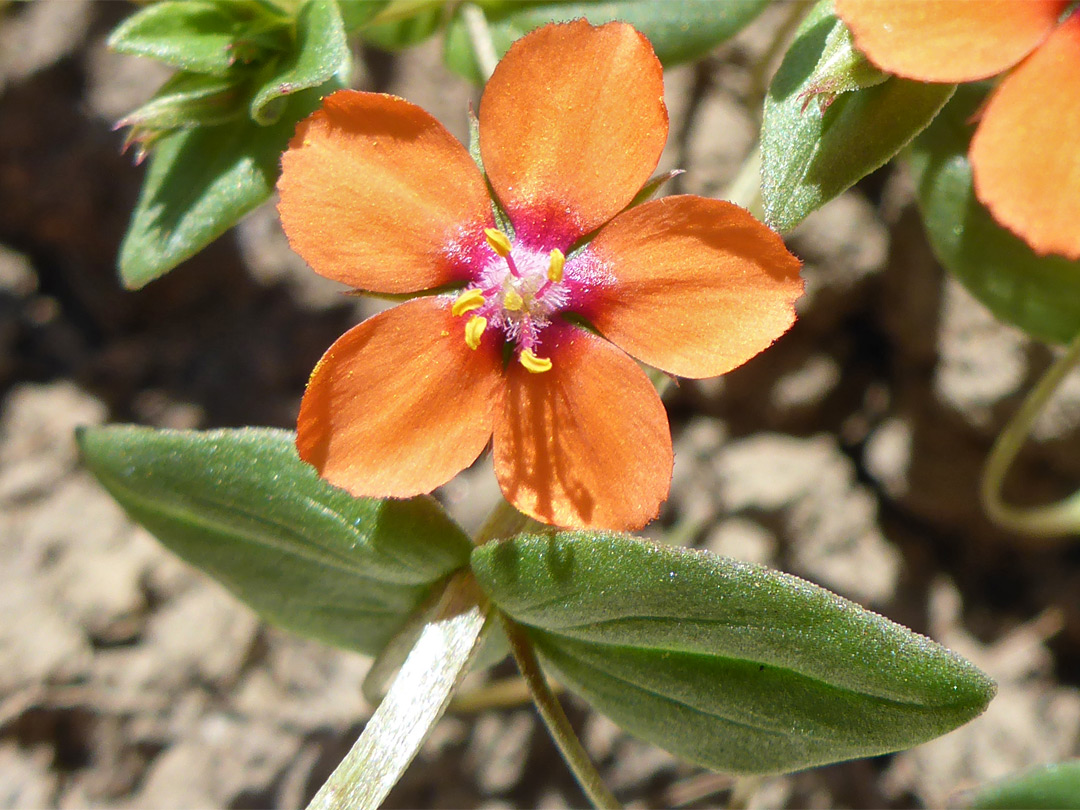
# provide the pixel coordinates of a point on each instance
(377, 194)
(1025, 162)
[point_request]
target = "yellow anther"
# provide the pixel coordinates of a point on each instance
(556, 266)
(537, 365)
(498, 240)
(474, 330)
(513, 301)
(467, 302)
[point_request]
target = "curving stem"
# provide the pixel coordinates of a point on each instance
(1047, 521)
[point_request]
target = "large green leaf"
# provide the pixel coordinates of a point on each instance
(240, 505)
(727, 664)
(1040, 294)
(194, 35)
(200, 182)
(319, 54)
(1048, 787)
(680, 30)
(810, 155)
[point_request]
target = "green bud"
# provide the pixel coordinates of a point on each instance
(841, 69)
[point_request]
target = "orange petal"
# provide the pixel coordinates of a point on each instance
(1025, 161)
(377, 194)
(572, 124)
(399, 404)
(690, 285)
(948, 40)
(585, 444)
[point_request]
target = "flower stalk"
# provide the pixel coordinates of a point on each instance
(555, 718)
(1042, 522)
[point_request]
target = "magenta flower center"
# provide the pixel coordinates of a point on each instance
(516, 291)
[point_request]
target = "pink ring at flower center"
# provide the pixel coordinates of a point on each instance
(516, 291)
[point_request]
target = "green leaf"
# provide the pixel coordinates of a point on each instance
(193, 35)
(680, 30)
(200, 182)
(727, 664)
(240, 505)
(1048, 787)
(320, 54)
(1040, 294)
(808, 156)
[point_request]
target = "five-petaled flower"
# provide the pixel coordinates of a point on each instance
(377, 194)
(1025, 162)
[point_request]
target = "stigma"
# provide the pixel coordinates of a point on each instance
(515, 292)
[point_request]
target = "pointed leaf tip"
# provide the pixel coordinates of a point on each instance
(727, 664)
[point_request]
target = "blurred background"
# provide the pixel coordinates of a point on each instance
(847, 454)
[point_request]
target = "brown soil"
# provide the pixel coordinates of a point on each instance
(847, 454)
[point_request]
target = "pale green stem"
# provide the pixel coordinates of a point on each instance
(505, 521)
(555, 718)
(745, 189)
(508, 693)
(1048, 521)
(480, 39)
(417, 699)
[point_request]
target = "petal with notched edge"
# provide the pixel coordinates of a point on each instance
(948, 40)
(377, 194)
(399, 404)
(692, 286)
(572, 124)
(1025, 162)
(585, 444)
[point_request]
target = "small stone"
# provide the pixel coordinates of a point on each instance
(981, 362)
(742, 539)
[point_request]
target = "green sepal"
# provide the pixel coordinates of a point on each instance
(357, 13)
(240, 505)
(679, 30)
(1047, 787)
(319, 57)
(729, 665)
(200, 36)
(199, 183)
(652, 186)
(1040, 294)
(401, 32)
(810, 155)
(502, 219)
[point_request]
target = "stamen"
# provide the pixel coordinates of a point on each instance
(532, 363)
(467, 302)
(555, 268)
(513, 301)
(474, 330)
(498, 241)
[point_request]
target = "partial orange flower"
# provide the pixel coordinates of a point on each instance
(377, 194)
(1025, 162)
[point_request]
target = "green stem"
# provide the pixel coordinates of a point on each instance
(480, 39)
(1052, 520)
(745, 189)
(505, 521)
(555, 718)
